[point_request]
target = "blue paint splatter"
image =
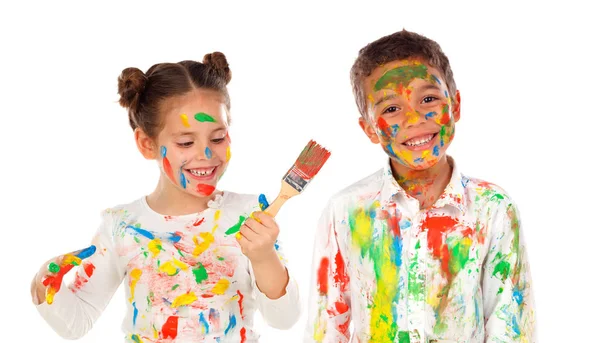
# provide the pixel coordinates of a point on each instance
(276, 245)
(518, 296)
(390, 150)
(87, 252)
(436, 79)
(262, 202)
(430, 115)
(232, 323)
(182, 179)
(404, 224)
(515, 326)
(442, 142)
(171, 236)
(204, 323)
(446, 93)
(135, 313)
(208, 153)
(436, 151)
(141, 231)
(464, 180)
(419, 160)
(163, 151)
(397, 248)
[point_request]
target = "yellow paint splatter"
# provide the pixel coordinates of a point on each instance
(412, 117)
(172, 267)
(201, 247)
(406, 155)
(155, 246)
(184, 120)
(221, 287)
(184, 299)
(426, 154)
(228, 154)
(371, 99)
(135, 277)
(217, 215)
(71, 259)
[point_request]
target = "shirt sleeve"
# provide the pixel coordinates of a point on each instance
(507, 294)
(329, 299)
(79, 303)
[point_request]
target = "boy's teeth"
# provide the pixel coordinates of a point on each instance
(419, 141)
(202, 172)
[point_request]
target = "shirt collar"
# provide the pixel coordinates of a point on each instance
(453, 195)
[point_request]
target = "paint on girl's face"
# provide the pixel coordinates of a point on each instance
(208, 153)
(184, 120)
(182, 179)
(166, 164)
(204, 189)
(228, 155)
(405, 81)
(204, 118)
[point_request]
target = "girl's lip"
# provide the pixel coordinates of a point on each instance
(208, 177)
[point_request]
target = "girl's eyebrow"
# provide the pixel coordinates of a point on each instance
(182, 133)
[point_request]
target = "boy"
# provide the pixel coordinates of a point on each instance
(417, 252)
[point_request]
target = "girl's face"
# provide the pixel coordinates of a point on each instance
(192, 149)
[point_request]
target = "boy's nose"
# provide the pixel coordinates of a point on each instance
(413, 118)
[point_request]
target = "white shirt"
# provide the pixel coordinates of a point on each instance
(186, 279)
(456, 272)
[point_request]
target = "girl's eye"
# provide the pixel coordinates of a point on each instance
(185, 144)
(217, 140)
(391, 109)
(429, 99)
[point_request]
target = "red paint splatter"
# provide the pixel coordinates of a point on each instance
(206, 295)
(241, 303)
(89, 269)
(340, 276)
(322, 275)
(343, 328)
(55, 281)
(383, 125)
(243, 335)
(167, 218)
(168, 169)
(436, 228)
(199, 222)
(169, 329)
(205, 189)
(394, 220)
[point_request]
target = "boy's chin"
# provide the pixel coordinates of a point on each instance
(416, 166)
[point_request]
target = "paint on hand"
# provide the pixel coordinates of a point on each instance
(208, 153)
(236, 228)
(204, 189)
(184, 120)
(204, 118)
(262, 202)
(54, 282)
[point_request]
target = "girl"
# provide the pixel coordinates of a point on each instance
(195, 268)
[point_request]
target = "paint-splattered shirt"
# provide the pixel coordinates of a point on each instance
(186, 279)
(386, 271)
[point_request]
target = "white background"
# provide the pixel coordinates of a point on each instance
(528, 76)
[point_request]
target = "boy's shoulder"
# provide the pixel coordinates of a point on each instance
(477, 190)
(366, 188)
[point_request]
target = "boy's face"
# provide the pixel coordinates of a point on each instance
(192, 149)
(410, 112)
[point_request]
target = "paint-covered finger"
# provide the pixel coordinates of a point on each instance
(265, 218)
(247, 232)
(254, 225)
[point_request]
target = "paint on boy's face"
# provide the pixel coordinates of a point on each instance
(194, 144)
(409, 108)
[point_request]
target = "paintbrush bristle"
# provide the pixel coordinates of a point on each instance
(308, 164)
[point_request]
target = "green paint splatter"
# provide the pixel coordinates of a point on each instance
(401, 75)
(174, 287)
(54, 268)
(221, 258)
(200, 273)
(203, 117)
(502, 269)
(459, 249)
(180, 253)
(500, 290)
(145, 254)
(236, 227)
(440, 328)
(137, 240)
(403, 337)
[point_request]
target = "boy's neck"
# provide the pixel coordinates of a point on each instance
(424, 185)
(169, 200)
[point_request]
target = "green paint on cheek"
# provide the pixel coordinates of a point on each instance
(203, 117)
(401, 76)
(200, 273)
(502, 269)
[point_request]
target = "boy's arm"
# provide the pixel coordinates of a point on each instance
(329, 299)
(79, 303)
(507, 294)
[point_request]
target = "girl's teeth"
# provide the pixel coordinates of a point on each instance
(202, 172)
(421, 141)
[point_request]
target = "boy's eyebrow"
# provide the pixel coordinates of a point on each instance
(429, 86)
(390, 96)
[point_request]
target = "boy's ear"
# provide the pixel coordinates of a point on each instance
(145, 144)
(456, 107)
(368, 130)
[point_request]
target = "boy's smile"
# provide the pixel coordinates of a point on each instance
(410, 112)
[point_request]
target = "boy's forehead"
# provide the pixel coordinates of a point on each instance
(401, 72)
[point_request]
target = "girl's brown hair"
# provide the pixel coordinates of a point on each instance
(142, 94)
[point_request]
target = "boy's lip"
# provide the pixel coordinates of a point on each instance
(194, 173)
(428, 139)
(422, 134)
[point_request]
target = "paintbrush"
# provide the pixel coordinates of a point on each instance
(308, 164)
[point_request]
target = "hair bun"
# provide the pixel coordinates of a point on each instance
(218, 62)
(132, 83)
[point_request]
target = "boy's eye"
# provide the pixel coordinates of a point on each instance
(185, 144)
(391, 109)
(217, 140)
(429, 99)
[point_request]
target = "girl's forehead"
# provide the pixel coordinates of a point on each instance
(196, 107)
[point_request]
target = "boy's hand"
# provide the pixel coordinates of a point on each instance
(257, 237)
(48, 280)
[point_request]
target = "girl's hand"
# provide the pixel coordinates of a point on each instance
(257, 237)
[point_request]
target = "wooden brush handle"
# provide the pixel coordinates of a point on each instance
(285, 193)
